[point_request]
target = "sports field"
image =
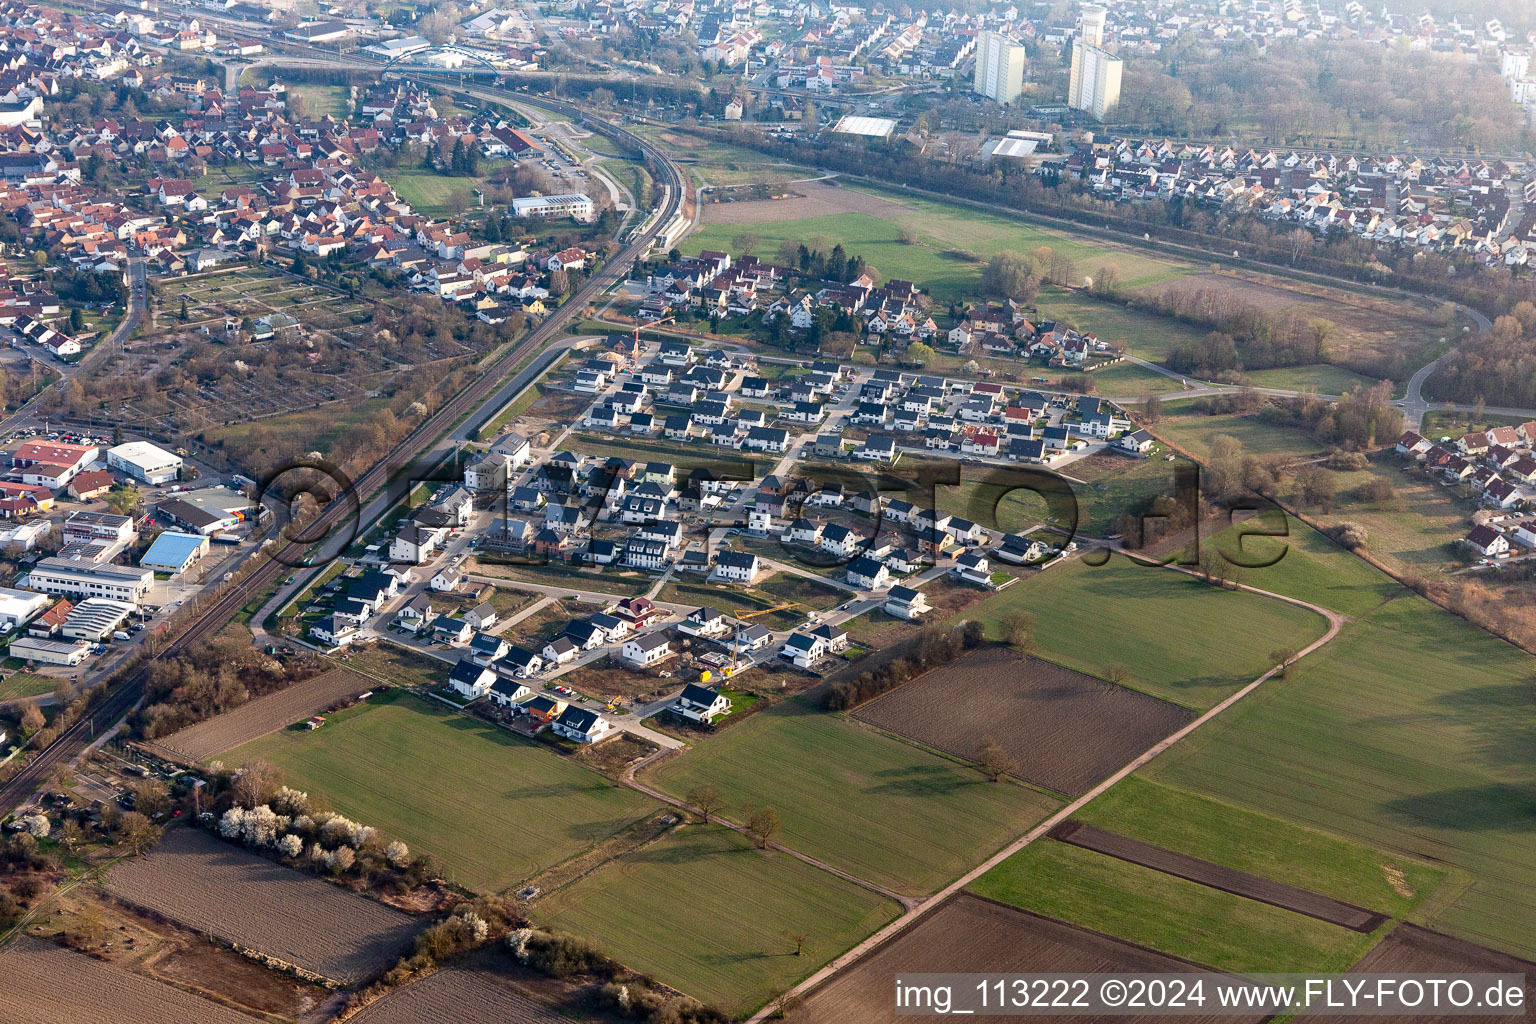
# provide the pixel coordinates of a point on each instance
(430, 192)
(708, 913)
(883, 809)
(495, 807)
(1144, 618)
(1412, 731)
(320, 100)
(1167, 913)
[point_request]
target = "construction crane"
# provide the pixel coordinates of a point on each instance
(634, 353)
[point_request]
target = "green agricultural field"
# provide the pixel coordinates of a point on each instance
(1103, 486)
(1170, 914)
(1411, 732)
(430, 192)
(1310, 568)
(495, 807)
(709, 914)
(873, 805)
(985, 234)
(951, 248)
(1245, 840)
(1193, 434)
(1179, 638)
(1107, 485)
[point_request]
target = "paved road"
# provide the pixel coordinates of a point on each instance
(138, 305)
(1415, 405)
(914, 911)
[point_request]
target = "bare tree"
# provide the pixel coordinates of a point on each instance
(1116, 673)
(799, 939)
(994, 760)
(1300, 243)
(707, 798)
(1018, 631)
(256, 783)
(1285, 657)
(762, 825)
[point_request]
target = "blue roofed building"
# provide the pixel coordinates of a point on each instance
(174, 552)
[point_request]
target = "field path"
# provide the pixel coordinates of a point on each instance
(916, 910)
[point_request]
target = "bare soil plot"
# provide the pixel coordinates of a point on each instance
(44, 982)
(458, 996)
(1065, 730)
(237, 896)
(804, 199)
(1239, 883)
(973, 935)
(1414, 950)
(266, 715)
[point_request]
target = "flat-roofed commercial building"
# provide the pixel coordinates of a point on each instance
(99, 526)
(576, 204)
(118, 582)
(48, 652)
(19, 607)
(144, 461)
(175, 552)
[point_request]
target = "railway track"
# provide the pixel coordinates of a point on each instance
(126, 694)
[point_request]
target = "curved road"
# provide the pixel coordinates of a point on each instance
(914, 911)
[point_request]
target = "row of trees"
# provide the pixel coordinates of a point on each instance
(933, 646)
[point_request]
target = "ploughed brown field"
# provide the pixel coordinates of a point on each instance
(975, 936)
(458, 996)
(1414, 950)
(43, 982)
(265, 715)
(205, 883)
(1063, 729)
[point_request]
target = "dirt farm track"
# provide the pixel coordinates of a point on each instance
(215, 887)
(457, 996)
(1065, 730)
(972, 935)
(43, 982)
(265, 715)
